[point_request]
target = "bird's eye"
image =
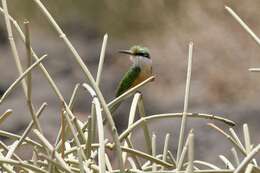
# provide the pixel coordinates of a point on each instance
(146, 55)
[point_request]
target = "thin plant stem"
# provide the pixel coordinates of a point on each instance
(5, 167)
(115, 136)
(11, 149)
(5, 115)
(249, 169)
(131, 119)
(165, 148)
(206, 164)
(145, 126)
(247, 138)
(254, 69)
(228, 137)
(191, 153)
(89, 140)
(227, 163)
(235, 137)
(247, 159)
(63, 135)
(5, 148)
(108, 164)
(101, 59)
(130, 151)
(114, 103)
(235, 155)
(29, 59)
(243, 24)
(170, 115)
(135, 159)
(81, 167)
(93, 122)
(171, 157)
(183, 153)
(16, 137)
(48, 146)
(55, 163)
(76, 122)
(73, 96)
(29, 127)
(51, 166)
(101, 153)
(131, 162)
(29, 76)
(21, 165)
(73, 131)
(154, 151)
(70, 105)
(148, 157)
(34, 117)
(20, 78)
(186, 99)
(45, 72)
(13, 45)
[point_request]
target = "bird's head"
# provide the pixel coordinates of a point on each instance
(137, 51)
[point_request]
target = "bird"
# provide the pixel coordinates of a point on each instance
(140, 70)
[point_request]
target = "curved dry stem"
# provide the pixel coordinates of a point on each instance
(228, 137)
(20, 78)
(228, 164)
(5, 115)
(206, 164)
(173, 115)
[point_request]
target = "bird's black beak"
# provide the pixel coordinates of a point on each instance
(128, 52)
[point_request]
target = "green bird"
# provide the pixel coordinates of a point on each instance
(138, 72)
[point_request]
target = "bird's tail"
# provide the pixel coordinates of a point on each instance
(114, 107)
(112, 110)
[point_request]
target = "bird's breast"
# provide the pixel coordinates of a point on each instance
(144, 74)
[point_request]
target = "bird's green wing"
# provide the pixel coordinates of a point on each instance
(128, 80)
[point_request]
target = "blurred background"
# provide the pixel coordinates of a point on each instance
(221, 83)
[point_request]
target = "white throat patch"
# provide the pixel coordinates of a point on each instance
(141, 61)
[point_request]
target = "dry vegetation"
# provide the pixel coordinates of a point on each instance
(82, 146)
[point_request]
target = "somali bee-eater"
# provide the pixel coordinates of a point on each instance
(140, 70)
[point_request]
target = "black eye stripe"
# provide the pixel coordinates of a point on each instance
(143, 54)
